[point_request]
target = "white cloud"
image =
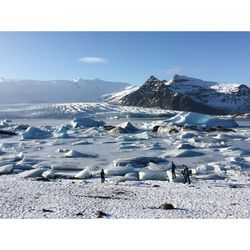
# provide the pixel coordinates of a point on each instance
(92, 59)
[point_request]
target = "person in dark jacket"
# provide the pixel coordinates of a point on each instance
(173, 167)
(186, 174)
(102, 176)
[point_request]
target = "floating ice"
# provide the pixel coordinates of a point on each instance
(1, 152)
(49, 174)
(84, 174)
(142, 161)
(61, 132)
(26, 164)
(125, 127)
(86, 122)
(4, 124)
(66, 167)
(152, 175)
(208, 168)
(62, 150)
(119, 171)
(187, 135)
(61, 135)
(140, 136)
(185, 146)
(128, 147)
(35, 133)
(33, 173)
(6, 169)
(197, 119)
(211, 177)
(73, 153)
(158, 167)
(81, 143)
(187, 153)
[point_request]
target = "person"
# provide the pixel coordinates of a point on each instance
(173, 167)
(102, 176)
(186, 174)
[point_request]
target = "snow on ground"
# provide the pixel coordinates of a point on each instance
(43, 175)
(26, 198)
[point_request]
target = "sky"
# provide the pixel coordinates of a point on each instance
(125, 56)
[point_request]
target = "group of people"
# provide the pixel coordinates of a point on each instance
(185, 172)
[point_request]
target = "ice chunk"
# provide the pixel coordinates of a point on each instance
(81, 143)
(26, 164)
(61, 135)
(35, 133)
(4, 124)
(128, 147)
(62, 150)
(66, 167)
(2, 152)
(125, 127)
(142, 161)
(73, 153)
(6, 169)
(208, 168)
(33, 173)
(86, 122)
(185, 146)
(188, 153)
(197, 119)
(211, 177)
(84, 174)
(187, 135)
(158, 167)
(152, 175)
(49, 174)
(140, 136)
(62, 129)
(119, 171)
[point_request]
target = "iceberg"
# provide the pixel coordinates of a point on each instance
(119, 171)
(125, 127)
(197, 119)
(152, 175)
(86, 122)
(73, 153)
(84, 174)
(35, 133)
(6, 169)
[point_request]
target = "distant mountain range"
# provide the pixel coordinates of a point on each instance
(58, 91)
(189, 94)
(180, 93)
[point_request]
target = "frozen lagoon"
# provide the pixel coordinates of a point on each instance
(209, 195)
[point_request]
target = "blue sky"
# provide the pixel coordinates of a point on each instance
(125, 56)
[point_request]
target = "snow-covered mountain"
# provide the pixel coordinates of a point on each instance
(58, 91)
(190, 94)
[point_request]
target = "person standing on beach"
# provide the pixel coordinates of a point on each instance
(186, 174)
(102, 176)
(173, 167)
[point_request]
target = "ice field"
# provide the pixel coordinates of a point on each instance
(51, 167)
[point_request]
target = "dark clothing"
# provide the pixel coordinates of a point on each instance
(186, 175)
(102, 176)
(173, 167)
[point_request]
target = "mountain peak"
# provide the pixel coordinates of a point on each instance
(152, 79)
(178, 78)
